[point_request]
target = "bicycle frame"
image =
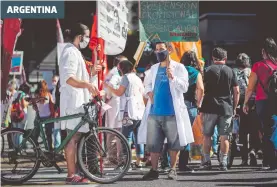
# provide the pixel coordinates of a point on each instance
(39, 122)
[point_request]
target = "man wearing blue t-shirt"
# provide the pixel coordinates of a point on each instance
(168, 116)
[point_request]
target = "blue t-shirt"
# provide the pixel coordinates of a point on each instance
(163, 104)
(193, 74)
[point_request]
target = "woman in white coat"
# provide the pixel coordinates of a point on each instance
(131, 105)
(74, 87)
(113, 79)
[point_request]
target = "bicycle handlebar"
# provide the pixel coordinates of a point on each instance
(93, 102)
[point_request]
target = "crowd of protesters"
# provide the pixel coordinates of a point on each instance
(157, 114)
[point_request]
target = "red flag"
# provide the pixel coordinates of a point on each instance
(99, 55)
(11, 30)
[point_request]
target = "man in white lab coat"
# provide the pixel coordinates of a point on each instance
(75, 91)
(166, 115)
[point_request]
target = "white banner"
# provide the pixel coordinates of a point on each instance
(112, 25)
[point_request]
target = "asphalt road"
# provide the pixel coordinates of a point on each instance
(236, 176)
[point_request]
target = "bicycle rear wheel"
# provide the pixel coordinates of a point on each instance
(104, 156)
(19, 162)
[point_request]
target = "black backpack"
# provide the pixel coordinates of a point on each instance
(271, 89)
(57, 96)
(242, 82)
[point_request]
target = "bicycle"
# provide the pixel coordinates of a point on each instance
(91, 152)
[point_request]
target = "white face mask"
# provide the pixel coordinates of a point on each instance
(84, 43)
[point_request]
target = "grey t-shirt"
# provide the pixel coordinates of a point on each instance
(125, 83)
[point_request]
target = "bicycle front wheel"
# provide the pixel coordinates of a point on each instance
(19, 156)
(104, 156)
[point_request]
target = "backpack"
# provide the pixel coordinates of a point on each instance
(242, 83)
(271, 89)
(17, 112)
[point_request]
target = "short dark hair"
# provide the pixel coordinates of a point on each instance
(270, 48)
(126, 66)
(75, 30)
(243, 61)
(160, 42)
(219, 54)
(189, 58)
(25, 88)
(118, 59)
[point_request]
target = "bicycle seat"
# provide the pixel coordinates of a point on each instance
(36, 99)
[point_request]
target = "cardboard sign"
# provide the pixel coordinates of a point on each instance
(169, 21)
(16, 63)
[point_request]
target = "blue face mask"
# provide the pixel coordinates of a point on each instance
(162, 55)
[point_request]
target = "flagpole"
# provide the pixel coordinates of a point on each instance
(97, 61)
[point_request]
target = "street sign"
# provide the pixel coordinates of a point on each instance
(169, 21)
(16, 63)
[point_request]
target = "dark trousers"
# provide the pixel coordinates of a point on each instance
(249, 124)
(48, 132)
(184, 154)
(269, 156)
(165, 159)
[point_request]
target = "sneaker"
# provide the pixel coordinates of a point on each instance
(76, 179)
(172, 175)
(148, 163)
(253, 160)
(135, 166)
(260, 154)
(187, 169)
(151, 175)
(265, 167)
(223, 167)
(206, 166)
(268, 168)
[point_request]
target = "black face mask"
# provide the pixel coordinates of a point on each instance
(162, 55)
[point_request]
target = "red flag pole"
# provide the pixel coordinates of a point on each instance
(10, 31)
(99, 75)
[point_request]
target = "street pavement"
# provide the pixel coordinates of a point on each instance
(236, 176)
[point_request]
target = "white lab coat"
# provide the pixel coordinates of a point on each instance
(132, 103)
(178, 86)
(71, 100)
(146, 80)
(114, 80)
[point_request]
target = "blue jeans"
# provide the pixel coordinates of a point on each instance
(184, 154)
(192, 110)
(57, 137)
(215, 139)
(128, 132)
(269, 157)
(17, 139)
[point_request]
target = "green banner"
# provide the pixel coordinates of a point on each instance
(169, 21)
